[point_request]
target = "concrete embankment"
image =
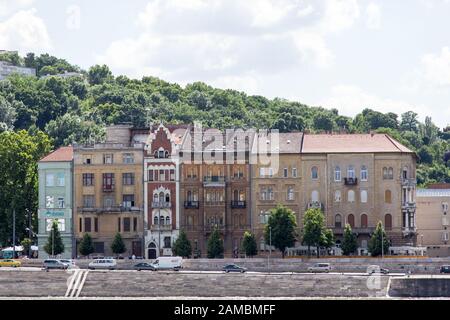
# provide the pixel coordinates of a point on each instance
(420, 287)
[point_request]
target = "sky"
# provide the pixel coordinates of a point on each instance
(391, 56)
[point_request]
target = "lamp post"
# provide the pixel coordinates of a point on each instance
(14, 234)
(270, 248)
(30, 234)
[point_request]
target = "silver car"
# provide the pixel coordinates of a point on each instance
(55, 264)
(320, 267)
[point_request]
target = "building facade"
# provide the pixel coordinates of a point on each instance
(7, 69)
(433, 220)
(108, 181)
(56, 199)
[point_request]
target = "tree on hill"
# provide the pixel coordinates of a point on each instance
(280, 229)
(182, 246)
(54, 244)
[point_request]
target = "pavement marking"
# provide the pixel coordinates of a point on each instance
(76, 283)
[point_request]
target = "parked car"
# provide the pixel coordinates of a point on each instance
(376, 269)
(444, 269)
(55, 264)
(109, 264)
(70, 262)
(144, 266)
(10, 263)
(233, 268)
(167, 263)
(320, 267)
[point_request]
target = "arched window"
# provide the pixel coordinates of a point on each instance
(351, 172)
(337, 174)
(385, 173)
(364, 222)
(391, 173)
(290, 193)
(338, 221)
(155, 198)
(388, 222)
(351, 196)
(161, 197)
(155, 220)
(337, 196)
(364, 173)
(315, 196)
(156, 154)
(166, 154)
(388, 196)
(189, 196)
(241, 195)
(167, 197)
(351, 220)
(363, 196)
(168, 221)
(235, 195)
(314, 173)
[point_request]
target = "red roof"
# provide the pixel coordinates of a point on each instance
(61, 154)
(351, 143)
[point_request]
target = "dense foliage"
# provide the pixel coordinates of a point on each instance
(215, 245)
(280, 229)
(315, 232)
(379, 242)
(182, 246)
(249, 244)
(118, 246)
(54, 245)
(349, 243)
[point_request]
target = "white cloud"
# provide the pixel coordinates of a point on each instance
(9, 6)
(24, 31)
(373, 12)
(436, 68)
(340, 15)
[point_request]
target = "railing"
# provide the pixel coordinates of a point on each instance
(350, 181)
(238, 204)
(214, 203)
(161, 227)
(108, 188)
(211, 228)
(110, 209)
(409, 182)
(214, 181)
(315, 205)
(360, 230)
(137, 145)
(161, 204)
(191, 204)
(409, 205)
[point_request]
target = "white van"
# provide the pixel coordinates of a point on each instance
(320, 267)
(174, 263)
(109, 264)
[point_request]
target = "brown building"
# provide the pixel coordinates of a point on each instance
(215, 188)
(108, 184)
(433, 219)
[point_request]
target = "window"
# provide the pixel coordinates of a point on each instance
(168, 221)
(315, 196)
(338, 221)
(108, 181)
(80, 225)
(162, 175)
(108, 158)
(351, 196)
(264, 217)
(128, 200)
(108, 201)
(88, 179)
(270, 172)
(50, 180)
(364, 173)
(444, 207)
(261, 172)
(150, 175)
(364, 196)
(364, 222)
(314, 173)
(128, 179)
(390, 173)
(167, 242)
(135, 222)
(119, 224)
(388, 196)
(385, 173)
(337, 174)
(126, 224)
(61, 203)
(60, 179)
(294, 172)
(388, 222)
(155, 220)
(49, 201)
(95, 224)
(172, 175)
(445, 236)
(337, 196)
(285, 172)
(351, 172)
(128, 158)
(61, 224)
(87, 159)
(351, 220)
(87, 224)
(405, 173)
(88, 201)
(290, 193)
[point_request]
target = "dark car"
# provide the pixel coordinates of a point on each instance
(377, 269)
(445, 269)
(233, 268)
(144, 266)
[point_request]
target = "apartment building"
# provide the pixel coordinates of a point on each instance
(433, 219)
(215, 188)
(108, 184)
(56, 199)
(361, 179)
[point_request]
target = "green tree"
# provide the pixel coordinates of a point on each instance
(349, 244)
(215, 245)
(249, 244)
(378, 243)
(313, 230)
(323, 122)
(280, 229)
(86, 246)
(26, 244)
(409, 121)
(99, 74)
(118, 246)
(182, 246)
(54, 244)
(327, 241)
(7, 115)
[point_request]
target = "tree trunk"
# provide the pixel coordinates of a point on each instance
(318, 252)
(309, 250)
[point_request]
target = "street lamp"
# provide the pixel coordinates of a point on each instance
(30, 233)
(270, 248)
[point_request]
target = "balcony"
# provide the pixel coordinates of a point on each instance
(350, 181)
(161, 227)
(408, 206)
(356, 230)
(409, 182)
(108, 188)
(238, 204)
(109, 209)
(191, 204)
(214, 181)
(214, 203)
(315, 205)
(211, 228)
(409, 231)
(161, 205)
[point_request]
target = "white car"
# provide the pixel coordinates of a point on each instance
(320, 267)
(109, 264)
(70, 262)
